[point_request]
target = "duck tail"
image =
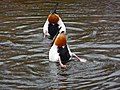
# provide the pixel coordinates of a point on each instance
(55, 8)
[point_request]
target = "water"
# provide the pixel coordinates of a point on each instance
(93, 29)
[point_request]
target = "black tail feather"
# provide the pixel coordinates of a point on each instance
(55, 37)
(55, 8)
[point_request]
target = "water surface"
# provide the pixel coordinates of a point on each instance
(93, 29)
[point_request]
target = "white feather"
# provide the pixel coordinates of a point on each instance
(62, 25)
(45, 28)
(53, 54)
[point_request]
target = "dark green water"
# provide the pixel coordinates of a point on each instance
(93, 29)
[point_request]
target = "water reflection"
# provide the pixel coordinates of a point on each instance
(93, 34)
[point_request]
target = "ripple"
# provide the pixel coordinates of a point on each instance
(107, 46)
(73, 28)
(93, 34)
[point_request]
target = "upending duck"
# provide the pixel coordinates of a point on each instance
(60, 52)
(53, 24)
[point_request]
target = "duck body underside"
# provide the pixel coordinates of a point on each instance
(59, 52)
(53, 29)
(64, 54)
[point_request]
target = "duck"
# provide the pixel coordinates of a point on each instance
(60, 51)
(53, 24)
